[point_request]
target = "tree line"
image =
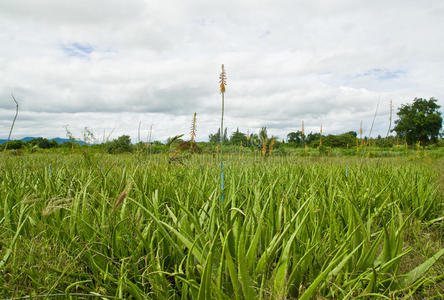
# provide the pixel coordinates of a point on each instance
(419, 122)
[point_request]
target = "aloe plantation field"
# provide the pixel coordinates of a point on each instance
(127, 226)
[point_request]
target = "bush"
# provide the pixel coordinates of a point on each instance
(15, 145)
(324, 150)
(120, 145)
(43, 143)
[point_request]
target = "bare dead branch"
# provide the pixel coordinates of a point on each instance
(13, 122)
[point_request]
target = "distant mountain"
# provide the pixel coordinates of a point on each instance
(57, 139)
(62, 140)
(28, 138)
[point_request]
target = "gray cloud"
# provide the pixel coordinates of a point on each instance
(111, 64)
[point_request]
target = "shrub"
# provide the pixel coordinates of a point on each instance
(15, 145)
(120, 145)
(43, 143)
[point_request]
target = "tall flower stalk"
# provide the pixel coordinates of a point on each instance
(390, 118)
(193, 130)
(223, 83)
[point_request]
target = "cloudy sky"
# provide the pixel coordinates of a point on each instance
(108, 65)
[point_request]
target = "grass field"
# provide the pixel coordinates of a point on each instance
(128, 226)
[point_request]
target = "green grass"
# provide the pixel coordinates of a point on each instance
(132, 226)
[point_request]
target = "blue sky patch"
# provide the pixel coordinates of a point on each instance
(381, 74)
(78, 49)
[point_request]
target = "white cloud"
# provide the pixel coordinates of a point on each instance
(106, 64)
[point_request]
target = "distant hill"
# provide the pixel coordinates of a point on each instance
(57, 139)
(62, 140)
(28, 138)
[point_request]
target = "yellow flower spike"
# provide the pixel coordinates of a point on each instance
(222, 80)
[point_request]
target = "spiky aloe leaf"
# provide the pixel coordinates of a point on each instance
(420, 270)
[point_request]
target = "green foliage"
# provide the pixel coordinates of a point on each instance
(238, 138)
(120, 145)
(296, 138)
(386, 142)
(323, 149)
(419, 122)
(42, 143)
(343, 140)
(340, 141)
(312, 227)
(313, 139)
(215, 138)
(173, 142)
(156, 147)
(263, 135)
(16, 144)
(70, 144)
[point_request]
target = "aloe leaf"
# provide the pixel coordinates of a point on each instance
(420, 270)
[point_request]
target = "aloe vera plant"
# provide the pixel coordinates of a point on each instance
(116, 227)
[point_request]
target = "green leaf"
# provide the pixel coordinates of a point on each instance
(419, 271)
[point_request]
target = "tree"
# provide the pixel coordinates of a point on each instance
(312, 137)
(16, 144)
(215, 138)
(43, 143)
(340, 140)
(419, 122)
(119, 145)
(295, 138)
(352, 133)
(238, 138)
